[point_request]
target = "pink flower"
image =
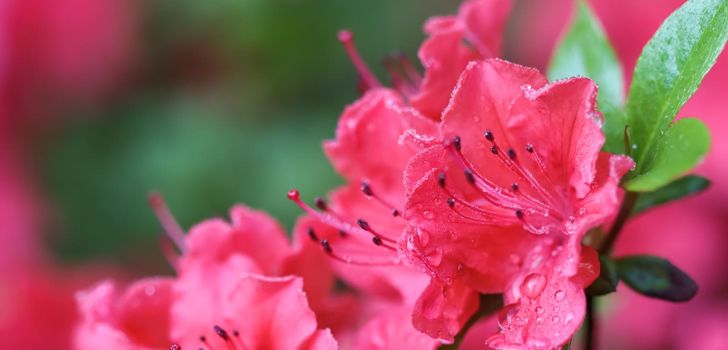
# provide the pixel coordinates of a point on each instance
(503, 201)
(78, 49)
(234, 290)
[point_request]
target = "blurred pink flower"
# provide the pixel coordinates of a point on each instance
(515, 221)
(234, 290)
(58, 52)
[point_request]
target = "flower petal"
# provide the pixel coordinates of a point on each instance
(370, 128)
(443, 309)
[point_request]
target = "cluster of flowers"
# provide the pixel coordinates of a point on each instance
(477, 177)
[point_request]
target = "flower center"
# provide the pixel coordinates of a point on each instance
(532, 199)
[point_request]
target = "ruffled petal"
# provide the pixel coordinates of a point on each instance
(370, 128)
(214, 240)
(270, 312)
(392, 329)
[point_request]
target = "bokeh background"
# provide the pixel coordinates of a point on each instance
(218, 102)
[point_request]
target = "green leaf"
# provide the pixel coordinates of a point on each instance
(680, 188)
(682, 147)
(656, 277)
(608, 278)
(669, 70)
(586, 51)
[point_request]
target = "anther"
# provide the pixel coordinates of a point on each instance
(342, 233)
(441, 179)
(451, 202)
(366, 189)
(529, 148)
(469, 176)
(395, 212)
(203, 338)
(363, 224)
(221, 332)
(377, 241)
(519, 214)
(312, 234)
(511, 154)
(514, 187)
(236, 333)
(489, 135)
(456, 143)
(494, 149)
(327, 247)
(320, 203)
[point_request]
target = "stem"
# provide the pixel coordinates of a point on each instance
(590, 336)
(624, 212)
(590, 321)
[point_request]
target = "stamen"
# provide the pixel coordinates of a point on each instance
(320, 203)
(173, 230)
(346, 38)
(366, 189)
(489, 135)
(514, 187)
(456, 143)
(366, 227)
(312, 234)
(175, 347)
(330, 252)
(441, 179)
(469, 176)
(451, 202)
(400, 80)
(168, 251)
(511, 154)
(414, 76)
(325, 217)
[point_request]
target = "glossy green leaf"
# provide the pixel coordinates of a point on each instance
(607, 280)
(586, 51)
(669, 70)
(656, 277)
(681, 147)
(683, 187)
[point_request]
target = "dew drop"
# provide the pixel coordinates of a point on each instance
(515, 259)
(423, 236)
(428, 215)
(555, 319)
(533, 285)
(150, 291)
(539, 310)
(560, 295)
(435, 258)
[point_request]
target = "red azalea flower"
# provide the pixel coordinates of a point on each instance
(503, 202)
(361, 227)
(236, 290)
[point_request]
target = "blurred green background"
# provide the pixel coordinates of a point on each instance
(228, 102)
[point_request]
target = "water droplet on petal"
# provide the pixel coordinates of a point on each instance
(533, 285)
(428, 215)
(435, 258)
(539, 310)
(555, 319)
(560, 295)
